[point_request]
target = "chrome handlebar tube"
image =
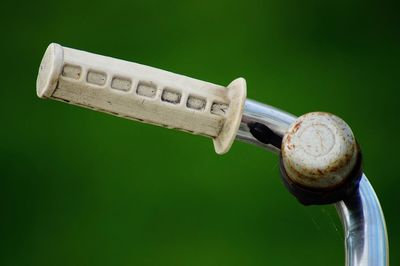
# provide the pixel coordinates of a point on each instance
(366, 241)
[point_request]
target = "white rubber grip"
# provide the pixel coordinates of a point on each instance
(143, 93)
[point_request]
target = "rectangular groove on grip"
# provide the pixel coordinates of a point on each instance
(146, 89)
(171, 96)
(96, 77)
(195, 102)
(71, 71)
(219, 108)
(122, 84)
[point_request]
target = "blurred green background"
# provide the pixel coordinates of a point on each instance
(79, 187)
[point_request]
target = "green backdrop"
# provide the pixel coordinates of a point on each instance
(79, 187)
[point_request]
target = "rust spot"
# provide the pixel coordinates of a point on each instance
(291, 146)
(297, 126)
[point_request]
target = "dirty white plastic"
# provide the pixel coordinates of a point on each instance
(143, 93)
(319, 150)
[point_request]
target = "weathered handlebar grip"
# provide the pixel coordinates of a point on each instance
(143, 93)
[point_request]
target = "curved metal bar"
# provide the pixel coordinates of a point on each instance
(365, 229)
(278, 121)
(366, 241)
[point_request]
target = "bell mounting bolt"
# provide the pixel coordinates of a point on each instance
(143, 93)
(320, 159)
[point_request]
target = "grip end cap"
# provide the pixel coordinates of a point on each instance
(49, 70)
